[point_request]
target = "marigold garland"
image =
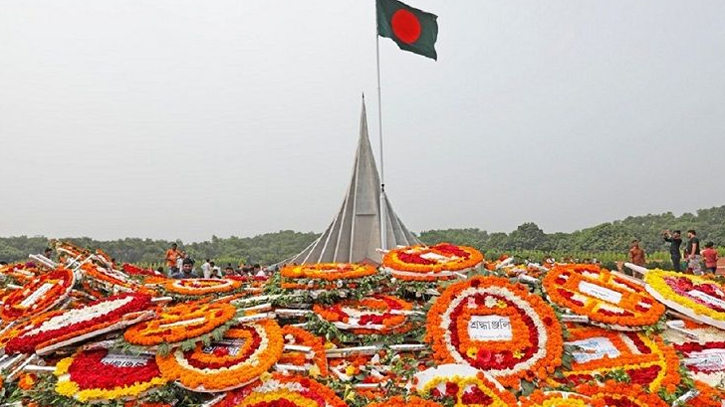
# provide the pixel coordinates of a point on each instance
(179, 323)
(86, 377)
(105, 276)
(279, 390)
(649, 362)
(616, 394)
(376, 314)
(696, 296)
(328, 271)
(429, 263)
(201, 286)
(53, 327)
(557, 399)
(41, 294)
(535, 347)
(399, 401)
(466, 390)
(226, 366)
(603, 297)
(298, 336)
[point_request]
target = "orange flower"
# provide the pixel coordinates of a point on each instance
(44, 292)
(556, 399)
(602, 296)
(328, 271)
(616, 394)
(299, 336)
(226, 366)
(180, 322)
(201, 286)
(429, 263)
(382, 310)
(399, 401)
(648, 361)
(27, 381)
(517, 334)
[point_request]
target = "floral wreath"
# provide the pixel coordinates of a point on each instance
(616, 394)
(201, 286)
(648, 361)
(376, 314)
(106, 276)
(328, 271)
(41, 294)
(246, 352)
(465, 385)
(557, 399)
(602, 296)
(86, 376)
(20, 271)
(703, 356)
(283, 391)
(138, 271)
(429, 263)
(399, 401)
(55, 327)
(522, 338)
(179, 323)
(298, 336)
(697, 297)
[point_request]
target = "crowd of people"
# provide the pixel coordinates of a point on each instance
(180, 265)
(693, 254)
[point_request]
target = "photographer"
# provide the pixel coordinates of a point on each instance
(675, 241)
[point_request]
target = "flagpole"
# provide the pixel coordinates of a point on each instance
(383, 220)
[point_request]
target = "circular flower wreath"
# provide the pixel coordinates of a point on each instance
(283, 391)
(41, 294)
(430, 263)
(179, 323)
(328, 271)
(649, 362)
(522, 338)
(246, 352)
(695, 296)
(201, 286)
(557, 399)
(298, 336)
(376, 314)
(86, 376)
(399, 401)
(468, 388)
(602, 296)
(703, 356)
(54, 327)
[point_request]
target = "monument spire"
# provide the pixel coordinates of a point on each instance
(355, 233)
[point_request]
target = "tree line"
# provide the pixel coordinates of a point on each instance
(271, 248)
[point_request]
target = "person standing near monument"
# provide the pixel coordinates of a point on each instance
(636, 254)
(675, 241)
(692, 253)
(172, 255)
(710, 255)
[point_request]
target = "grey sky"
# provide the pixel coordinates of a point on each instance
(183, 119)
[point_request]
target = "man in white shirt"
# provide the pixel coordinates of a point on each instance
(206, 269)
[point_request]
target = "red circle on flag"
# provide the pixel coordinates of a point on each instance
(406, 26)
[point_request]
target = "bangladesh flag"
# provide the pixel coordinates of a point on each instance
(412, 29)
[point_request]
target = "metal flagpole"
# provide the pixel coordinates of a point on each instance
(383, 220)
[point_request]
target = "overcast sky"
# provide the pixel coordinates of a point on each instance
(187, 119)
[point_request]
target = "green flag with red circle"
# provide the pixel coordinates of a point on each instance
(412, 29)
